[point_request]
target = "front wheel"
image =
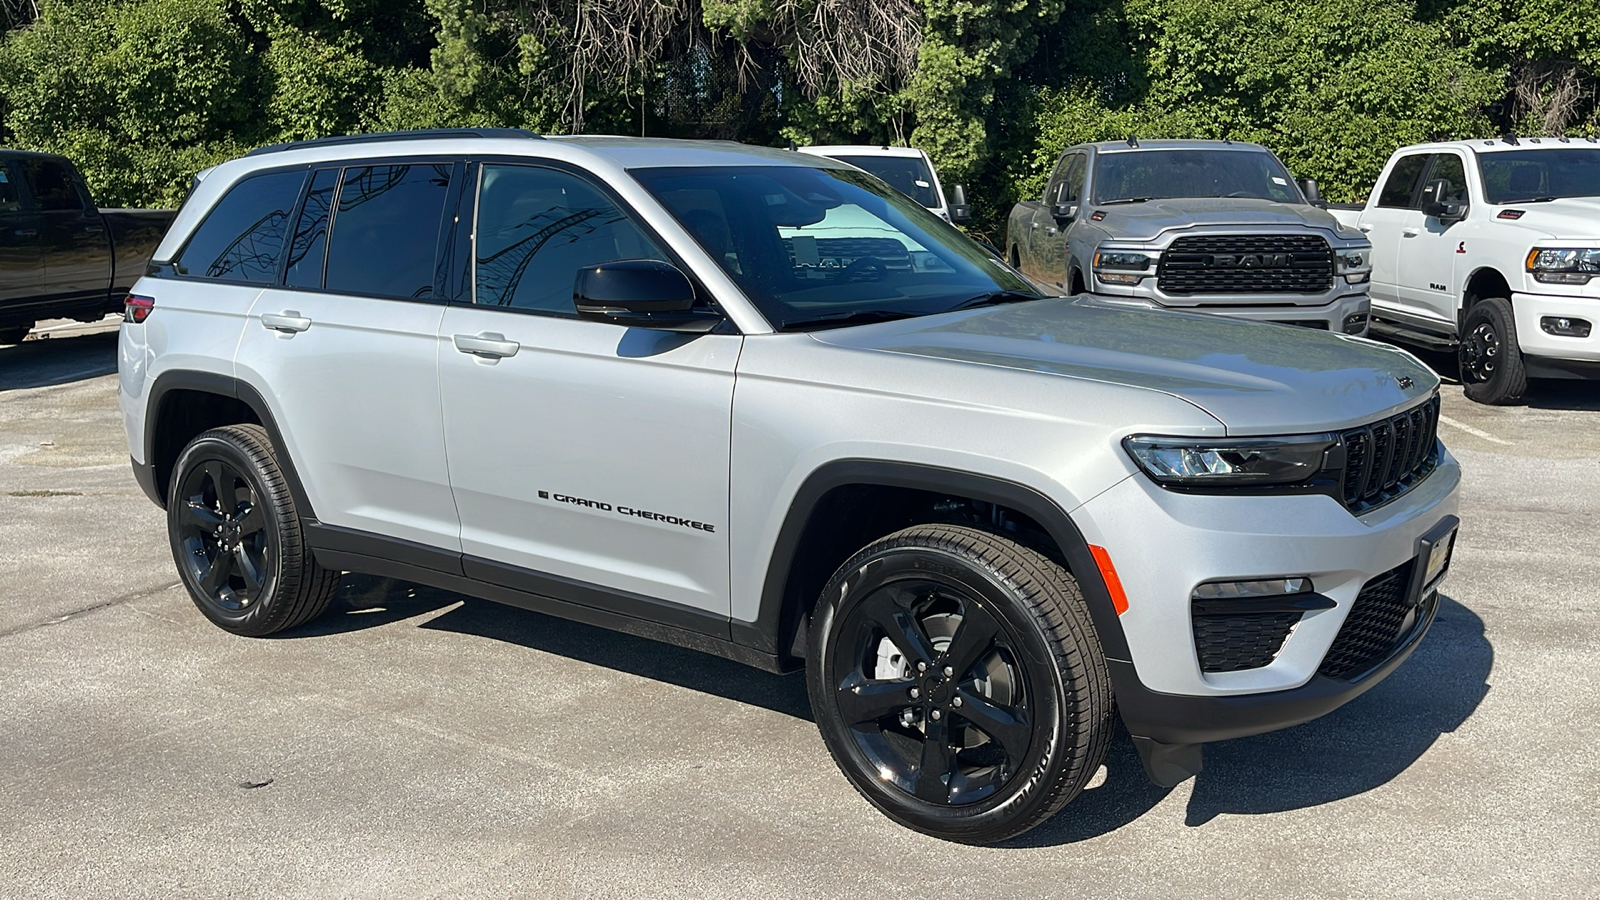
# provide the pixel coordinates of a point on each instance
(957, 682)
(1491, 361)
(236, 535)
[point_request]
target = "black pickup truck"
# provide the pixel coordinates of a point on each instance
(60, 256)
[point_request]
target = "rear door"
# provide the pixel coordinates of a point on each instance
(1386, 222)
(21, 255)
(344, 350)
(1048, 237)
(77, 250)
(1426, 286)
(582, 451)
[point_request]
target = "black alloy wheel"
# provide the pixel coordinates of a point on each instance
(957, 682)
(236, 536)
(1492, 370)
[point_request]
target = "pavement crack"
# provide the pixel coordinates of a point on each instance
(57, 620)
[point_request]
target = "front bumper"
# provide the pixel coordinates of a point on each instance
(1347, 314)
(1161, 690)
(1534, 341)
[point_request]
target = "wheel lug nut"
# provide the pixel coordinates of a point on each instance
(922, 667)
(915, 693)
(949, 671)
(935, 715)
(956, 701)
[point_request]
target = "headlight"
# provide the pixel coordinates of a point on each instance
(1229, 462)
(1563, 265)
(1129, 264)
(1355, 267)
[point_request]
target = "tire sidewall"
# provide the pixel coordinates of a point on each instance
(260, 617)
(1508, 381)
(1028, 789)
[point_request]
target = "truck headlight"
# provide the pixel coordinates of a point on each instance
(1128, 264)
(1230, 462)
(1563, 265)
(1355, 267)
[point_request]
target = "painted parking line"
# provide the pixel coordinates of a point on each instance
(1475, 432)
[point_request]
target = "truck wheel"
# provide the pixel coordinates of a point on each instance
(957, 682)
(1490, 358)
(236, 537)
(14, 334)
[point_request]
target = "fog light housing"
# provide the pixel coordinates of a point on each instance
(1269, 587)
(1565, 326)
(1118, 277)
(1355, 323)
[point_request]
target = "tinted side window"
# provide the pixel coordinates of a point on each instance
(536, 228)
(1072, 187)
(1402, 183)
(308, 249)
(385, 236)
(51, 184)
(241, 238)
(10, 200)
(1450, 168)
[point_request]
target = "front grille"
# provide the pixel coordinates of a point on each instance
(1247, 264)
(1380, 619)
(1387, 458)
(1230, 643)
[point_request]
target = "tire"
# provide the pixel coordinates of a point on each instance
(14, 334)
(236, 537)
(1490, 358)
(1016, 729)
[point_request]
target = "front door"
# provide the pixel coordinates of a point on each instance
(1048, 236)
(77, 250)
(1386, 223)
(21, 257)
(582, 451)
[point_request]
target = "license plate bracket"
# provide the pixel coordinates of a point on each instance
(1434, 551)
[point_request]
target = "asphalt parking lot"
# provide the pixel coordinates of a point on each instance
(415, 744)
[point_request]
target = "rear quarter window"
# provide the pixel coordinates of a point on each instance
(241, 238)
(385, 235)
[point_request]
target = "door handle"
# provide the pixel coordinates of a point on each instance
(1035, 225)
(1366, 227)
(1050, 230)
(288, 322)
(486, 345)
(26, 232)
(1410, 232)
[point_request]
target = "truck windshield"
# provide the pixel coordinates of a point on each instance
(826, 247)
(1166, 174)
(1518, 176)
(907, 174)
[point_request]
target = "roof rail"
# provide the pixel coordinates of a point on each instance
(421, 134)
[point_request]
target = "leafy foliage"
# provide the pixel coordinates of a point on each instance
(143, 93)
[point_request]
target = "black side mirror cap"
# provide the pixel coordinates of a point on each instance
(1308, 186)
(641, 293)
(1433, 206)
(960, 212)
(1064, 212)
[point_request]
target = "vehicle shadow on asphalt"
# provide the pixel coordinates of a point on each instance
(367, 602)
(1354, 749)
(37, 364)
(1542, 393)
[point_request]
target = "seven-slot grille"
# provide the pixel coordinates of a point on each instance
(1387, 458)
(1246, 264)
(1381, 617)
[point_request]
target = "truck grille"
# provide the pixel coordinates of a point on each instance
(1247, 264)
(1232, 643)
(1381, 618)
(1387, 458)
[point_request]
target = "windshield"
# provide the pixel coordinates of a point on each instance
(907, 174)
(1517, 176)
(1162, 174)
(815, 246)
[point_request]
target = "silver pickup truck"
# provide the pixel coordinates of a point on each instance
(1203, 226)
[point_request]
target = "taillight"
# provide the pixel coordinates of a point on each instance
(136, 309)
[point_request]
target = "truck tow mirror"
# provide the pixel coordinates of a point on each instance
(1308, 186)
(960, 212)
(1064, 212)
(1433, 206)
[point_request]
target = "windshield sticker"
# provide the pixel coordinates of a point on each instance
(1282, 181)
(921, 183)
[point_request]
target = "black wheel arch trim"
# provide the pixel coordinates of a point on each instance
(779, 616)
(224, 386)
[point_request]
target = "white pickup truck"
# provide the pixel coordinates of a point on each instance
(1490, 248)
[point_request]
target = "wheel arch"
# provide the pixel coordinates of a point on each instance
(183, 403)
(809, 548)
(1485, 281)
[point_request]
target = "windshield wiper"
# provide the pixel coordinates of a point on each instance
(1124, 200)
(852, 317)
(994, 298)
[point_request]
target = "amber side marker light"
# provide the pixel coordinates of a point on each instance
(1119, 597)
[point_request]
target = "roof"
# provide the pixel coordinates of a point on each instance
(836, 150)
(1506, 143)
(1126, 147)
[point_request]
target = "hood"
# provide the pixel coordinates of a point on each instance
(1567, 218)
(1256, 378)
(1146, 221)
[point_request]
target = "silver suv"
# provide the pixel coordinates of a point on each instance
(759, 404)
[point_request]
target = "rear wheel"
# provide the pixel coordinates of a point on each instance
(236, 536)
(1490, 358)
(957, 682)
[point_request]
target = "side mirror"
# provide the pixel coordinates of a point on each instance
(960, 212)
(1064, 212)
(640, 293)
(1433, 206)
(1308, 186)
